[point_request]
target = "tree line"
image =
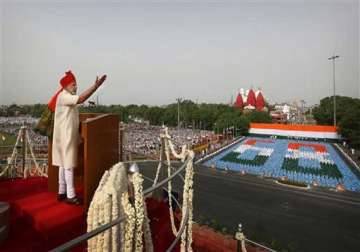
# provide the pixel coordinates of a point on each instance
(207, 116)
(347, 116)
(217, 117)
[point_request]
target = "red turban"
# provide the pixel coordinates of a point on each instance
(67, 79)
(64, 82)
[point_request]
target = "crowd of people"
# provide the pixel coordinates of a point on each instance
(18, 120)
(12, 125)
(139, 138)
(145, 139)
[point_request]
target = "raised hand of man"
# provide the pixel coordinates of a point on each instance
(100, 81)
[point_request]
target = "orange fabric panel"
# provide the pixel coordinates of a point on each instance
(253, 141)
(317, 147)
(296, 127)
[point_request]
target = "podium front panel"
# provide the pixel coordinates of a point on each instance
(101, 150)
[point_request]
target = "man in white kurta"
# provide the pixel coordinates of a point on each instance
(66, 136)
(66, 140)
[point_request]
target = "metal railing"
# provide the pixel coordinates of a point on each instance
(80, 239)
(181, 230)
(241, 239)
(260, 245)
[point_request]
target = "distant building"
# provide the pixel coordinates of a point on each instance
(282, 109)
(291, 111)
(139, 120)
(250, 100)
(278, 117)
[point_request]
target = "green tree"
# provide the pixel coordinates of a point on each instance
(347, 116)
(258, 117)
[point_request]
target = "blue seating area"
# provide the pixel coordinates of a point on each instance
(309, 164)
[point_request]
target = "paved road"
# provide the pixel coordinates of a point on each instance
(312, 220)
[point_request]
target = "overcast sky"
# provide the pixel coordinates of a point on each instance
(155, 52)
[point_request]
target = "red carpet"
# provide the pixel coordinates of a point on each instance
(38, 222)
(160, 225)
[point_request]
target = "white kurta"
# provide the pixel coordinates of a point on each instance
(66, 131)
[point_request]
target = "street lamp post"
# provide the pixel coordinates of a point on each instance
(333, 59)
(178, 114)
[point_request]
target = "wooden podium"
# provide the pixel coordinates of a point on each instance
(101, 149)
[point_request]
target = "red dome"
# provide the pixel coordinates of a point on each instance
(251, 100)
(260, 101)
(239, 103)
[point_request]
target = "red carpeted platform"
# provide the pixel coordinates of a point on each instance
(158, 213)
(38, 222)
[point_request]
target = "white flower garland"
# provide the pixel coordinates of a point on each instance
(137, 223)
(129, 222)
(158, 168)
(93, 213)
(111, 201)
(139, 210)
(186, 236)
(105, 207)
(107, 213)
(174, 230)
(99, 237)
